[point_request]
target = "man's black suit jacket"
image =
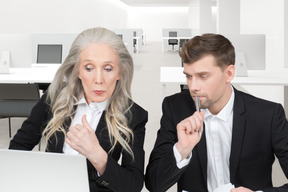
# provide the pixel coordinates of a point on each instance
(129, 176)
(260, 131)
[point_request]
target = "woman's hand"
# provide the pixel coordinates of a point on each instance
(82, 138)
(241, 189)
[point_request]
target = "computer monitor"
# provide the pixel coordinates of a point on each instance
(121, 36)
(252, 47)
(49, 53)
(19, 47)
(172, 33)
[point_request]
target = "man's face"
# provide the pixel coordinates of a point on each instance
(211, 83)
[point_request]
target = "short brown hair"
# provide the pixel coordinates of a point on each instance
(209, 44)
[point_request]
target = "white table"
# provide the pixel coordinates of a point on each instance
(255, 77)
(35, 74)
(137, 43)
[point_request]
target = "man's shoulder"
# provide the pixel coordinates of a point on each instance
(248, 98)
(253, 104)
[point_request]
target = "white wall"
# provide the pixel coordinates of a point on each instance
(60, 16)
(265, 17)
(73, 16)
(153, 19)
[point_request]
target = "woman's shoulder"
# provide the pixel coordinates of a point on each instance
(135, 108)
(137, 114)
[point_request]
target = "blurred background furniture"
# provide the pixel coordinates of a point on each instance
(173, 41)
(17, 100)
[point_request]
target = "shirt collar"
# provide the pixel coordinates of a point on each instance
(94, 105)
(226, 111)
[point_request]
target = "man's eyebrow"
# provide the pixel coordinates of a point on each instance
(185, 73)
(199, 73)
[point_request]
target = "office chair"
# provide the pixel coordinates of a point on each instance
(183, 87)
(172, 42)
(17, 100)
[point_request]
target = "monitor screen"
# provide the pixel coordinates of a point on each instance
(172, 33)
(121, 36)
(49, 53)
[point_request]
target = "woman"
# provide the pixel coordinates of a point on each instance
(88, 110)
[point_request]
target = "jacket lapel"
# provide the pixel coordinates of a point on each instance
(102, 133)
(238, 131)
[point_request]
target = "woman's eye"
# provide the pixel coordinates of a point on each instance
(108, 68)
(88, 68)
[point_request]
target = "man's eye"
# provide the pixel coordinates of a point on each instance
(203, 76)
(188, 76)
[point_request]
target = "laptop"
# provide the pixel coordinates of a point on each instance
(4, 61)
(31, 171)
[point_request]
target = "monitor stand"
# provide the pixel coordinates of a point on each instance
(5, 61)
(241, 65)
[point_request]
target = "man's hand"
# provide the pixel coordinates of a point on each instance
(188, 133)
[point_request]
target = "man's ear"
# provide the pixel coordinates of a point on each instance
(230, 73)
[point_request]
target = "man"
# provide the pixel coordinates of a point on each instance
(230, 142)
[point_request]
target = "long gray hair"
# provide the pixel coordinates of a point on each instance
(66, 89)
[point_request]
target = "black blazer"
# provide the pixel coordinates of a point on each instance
(128, 176)
(260, 131)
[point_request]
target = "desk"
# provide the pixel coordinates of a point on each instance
(137, 43)
(255, 77)
(166, 38)
(41, 74)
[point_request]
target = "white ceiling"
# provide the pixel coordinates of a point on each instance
(157, 3)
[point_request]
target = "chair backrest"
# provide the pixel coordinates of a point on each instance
(17, 100)
(172, 41)
(19, 91)
(182, 41)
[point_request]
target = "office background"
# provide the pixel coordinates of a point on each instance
(72, 16)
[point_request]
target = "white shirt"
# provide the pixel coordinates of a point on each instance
(218, 132)
(93, 113)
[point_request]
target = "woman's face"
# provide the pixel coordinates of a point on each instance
(98, 72)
